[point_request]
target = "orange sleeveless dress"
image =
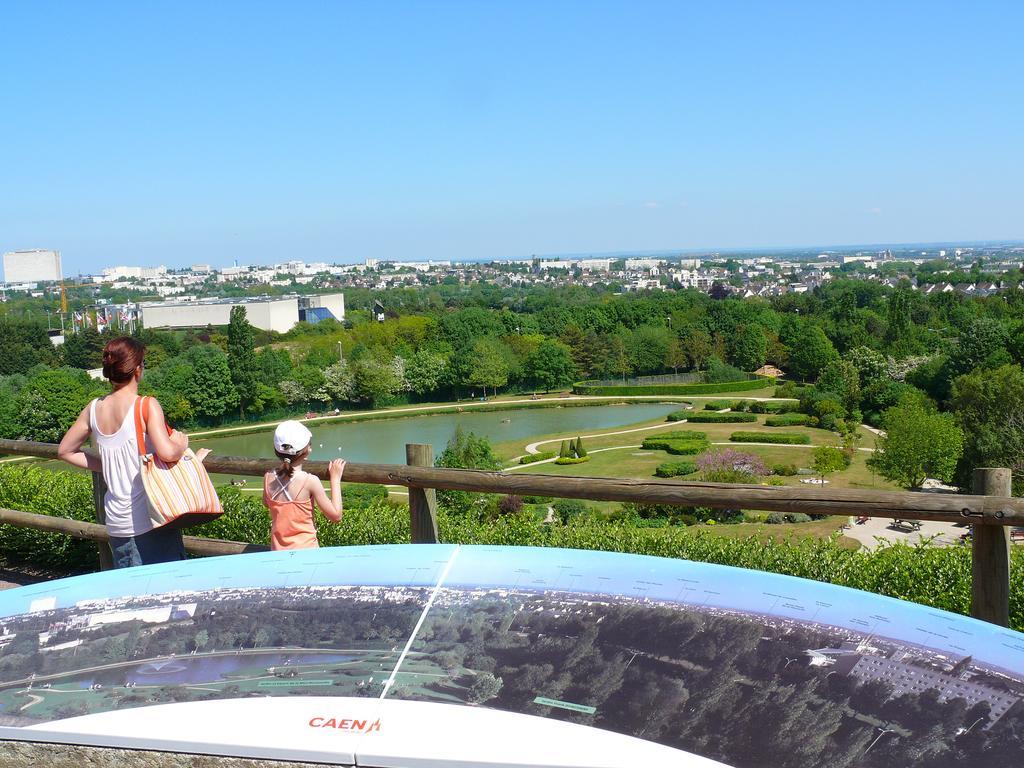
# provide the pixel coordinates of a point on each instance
(291, 522)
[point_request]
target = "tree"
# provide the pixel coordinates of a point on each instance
(898, 319)
(698, 347)
(490, 367)
(84, 349)
(25, 344)
(649, 345)
(424, 371)
(869, 364)
(841, 379)
(580, 450)
(989, 407)
(828, 459)
(485, 686)
(465, 450)
(273, 365)
(675, 357)
(565, 450)
(810, 353)
(210, 390)
(918, 443)
(51, 401)
(374, 381)
(982, 344)
(339, 381)
(747, 347)
(550, 365)
(242, 361)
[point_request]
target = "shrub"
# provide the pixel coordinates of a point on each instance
(581, 452)
(773, 406)
(781, 438)
(678, 443)
(732, 417)
(741, 405)
(570, 510)
(678, 416)
(565, 451)
(784, 470)
(773, 480)
(936, 576)
(731, 466)
(532, 457)
(675, 469)
(788, 420)
(778, 518)
(717, 405)
(572, 459)
(718, 372)
(510, 505)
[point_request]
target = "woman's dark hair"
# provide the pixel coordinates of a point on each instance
(121, 357)
(286, 469)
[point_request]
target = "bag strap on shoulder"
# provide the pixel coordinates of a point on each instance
(141, 417)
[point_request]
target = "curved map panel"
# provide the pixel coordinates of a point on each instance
(431, 655)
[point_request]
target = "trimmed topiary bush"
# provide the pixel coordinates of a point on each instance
(581, 452)
(785, 470)
(571, 459)
(773, 406)
(782, 438)
(680, 443)
(565, 451)
(731, 417)
(788, 420)
(678, 416)
(675, 469)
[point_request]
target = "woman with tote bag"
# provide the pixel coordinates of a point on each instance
(110, 420)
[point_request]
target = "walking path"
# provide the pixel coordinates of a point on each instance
(876, 532)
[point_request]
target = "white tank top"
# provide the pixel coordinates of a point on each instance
(125, 500)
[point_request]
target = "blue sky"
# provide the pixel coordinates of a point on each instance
(178, 132)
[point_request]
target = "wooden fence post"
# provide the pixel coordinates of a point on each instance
(99, 490)
(422, 501)
(990, 553)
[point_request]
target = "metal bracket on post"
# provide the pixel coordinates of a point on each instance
(99, 490)
(422, 501)
(990, 553)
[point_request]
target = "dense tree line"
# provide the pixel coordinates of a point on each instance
(858, 346)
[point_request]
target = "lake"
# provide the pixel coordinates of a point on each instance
(383, 441)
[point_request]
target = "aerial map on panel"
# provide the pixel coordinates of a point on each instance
(695, 661)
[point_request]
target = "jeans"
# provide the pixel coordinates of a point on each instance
(159, 545)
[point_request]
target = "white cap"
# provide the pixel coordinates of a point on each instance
(291, 437)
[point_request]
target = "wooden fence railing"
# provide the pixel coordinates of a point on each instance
(989, 510)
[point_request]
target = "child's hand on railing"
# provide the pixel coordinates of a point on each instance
(336, 468)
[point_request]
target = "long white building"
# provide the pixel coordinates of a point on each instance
(269, 313)
(32, 266)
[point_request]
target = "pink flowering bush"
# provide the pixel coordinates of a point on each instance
(731, 466)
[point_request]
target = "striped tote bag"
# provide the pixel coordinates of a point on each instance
(179, 494)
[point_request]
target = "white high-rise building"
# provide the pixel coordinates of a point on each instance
(36, 265)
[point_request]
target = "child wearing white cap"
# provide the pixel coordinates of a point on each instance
(290, 493)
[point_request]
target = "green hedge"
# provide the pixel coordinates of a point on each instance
(773, 406)
(935, 576)
(730, 417)
(572, 459)
(782, 438)
(678, 416)
(788, 420)
(679, 443)
(675, 469)
(673, 389)
(533, 457)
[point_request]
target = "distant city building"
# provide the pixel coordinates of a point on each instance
(32, 266)
(903, 677)
(201, 269)
(642, 264)
(268, 313)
